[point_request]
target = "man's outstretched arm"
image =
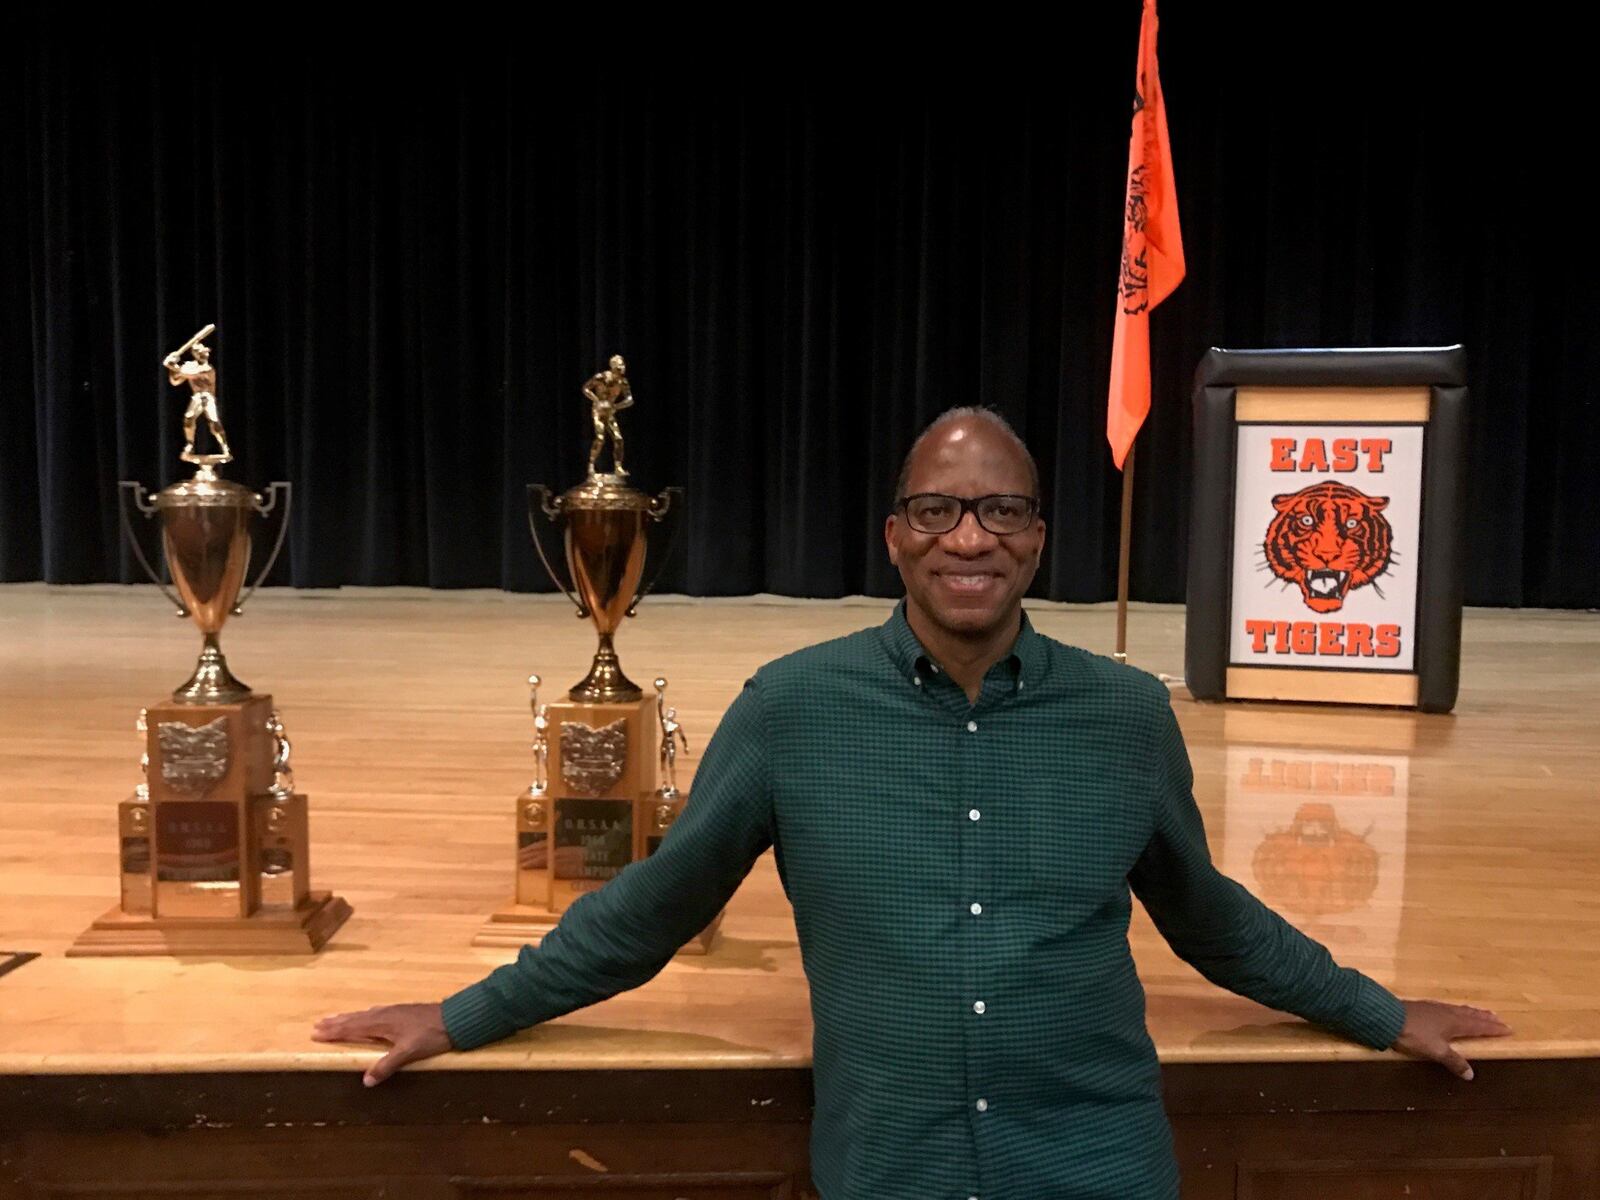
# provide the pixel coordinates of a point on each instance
(1240, 944)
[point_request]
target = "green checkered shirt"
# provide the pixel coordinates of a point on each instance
(960, 875)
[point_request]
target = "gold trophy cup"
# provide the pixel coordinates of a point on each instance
(607, 529)
(206, 532)
(214, 841)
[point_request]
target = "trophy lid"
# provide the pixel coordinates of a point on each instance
(205, 490)
(607, 492)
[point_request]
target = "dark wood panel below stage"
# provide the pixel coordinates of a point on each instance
(1329, 1131)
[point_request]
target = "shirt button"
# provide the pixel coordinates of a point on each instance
(917, 679)
(1019, 685)
(972, 727)
(979, 1007)
(976, 908)
(973, 814)
(982, 1105)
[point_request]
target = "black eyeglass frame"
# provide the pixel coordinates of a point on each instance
(966, 505)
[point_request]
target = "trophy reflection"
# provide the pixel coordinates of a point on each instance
(595, 805)
(214, 840)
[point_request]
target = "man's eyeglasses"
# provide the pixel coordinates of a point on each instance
(933, 512)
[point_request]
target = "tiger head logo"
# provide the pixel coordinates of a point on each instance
(1329, 539)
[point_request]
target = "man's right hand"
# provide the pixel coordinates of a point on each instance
(412, 1032)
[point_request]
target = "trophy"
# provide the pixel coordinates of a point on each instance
(594, 806)
(214, 840)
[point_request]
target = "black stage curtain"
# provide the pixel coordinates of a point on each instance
(416, 256)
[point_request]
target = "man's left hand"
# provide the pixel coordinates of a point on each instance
(1431, 1026)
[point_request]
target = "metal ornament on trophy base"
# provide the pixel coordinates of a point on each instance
(214, 843)
(595, 805)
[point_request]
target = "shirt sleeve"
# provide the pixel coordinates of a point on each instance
(1232, 938)
(623, 934)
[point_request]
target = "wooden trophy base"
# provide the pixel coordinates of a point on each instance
(602, 812)
(518, 925)
(304, 930)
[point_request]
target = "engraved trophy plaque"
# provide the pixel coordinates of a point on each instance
(213, 851)
(595, 806)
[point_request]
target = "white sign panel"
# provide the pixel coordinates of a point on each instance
(1326, 534)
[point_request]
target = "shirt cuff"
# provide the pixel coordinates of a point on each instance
(473, 1019)
(1377, 1016)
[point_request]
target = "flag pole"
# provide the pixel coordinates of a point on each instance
(1152, 266)
(1126, 541)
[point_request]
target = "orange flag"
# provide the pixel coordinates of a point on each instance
(1152, 248)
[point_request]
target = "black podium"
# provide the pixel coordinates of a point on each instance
(1326, 537)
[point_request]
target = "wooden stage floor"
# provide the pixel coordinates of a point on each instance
(1455, 857)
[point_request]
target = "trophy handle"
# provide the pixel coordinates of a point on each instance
(659, 508)
(264, 507)
(551, 506)
(134, 488)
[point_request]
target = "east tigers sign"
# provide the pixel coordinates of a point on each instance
(1325, 538)
(1326, 527)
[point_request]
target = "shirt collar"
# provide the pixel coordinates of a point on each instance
(911, 659)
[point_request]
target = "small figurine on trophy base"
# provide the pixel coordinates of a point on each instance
(533, 834)
(214, 840)
(595, 806)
